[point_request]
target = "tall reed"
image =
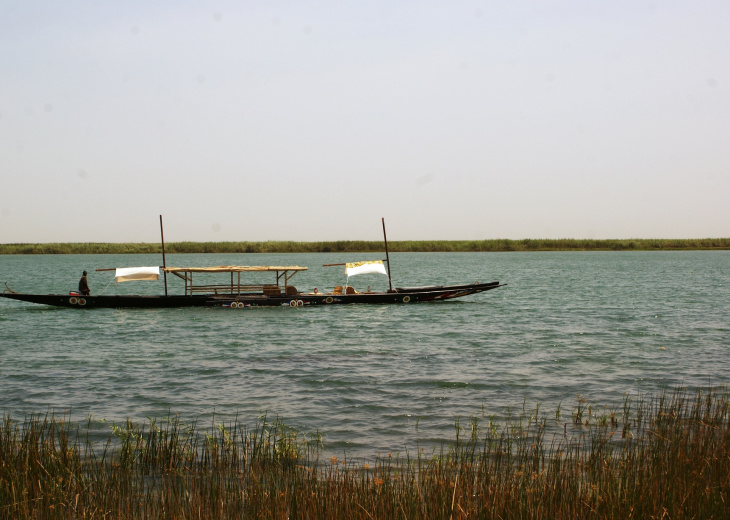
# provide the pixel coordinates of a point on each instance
(661, 457)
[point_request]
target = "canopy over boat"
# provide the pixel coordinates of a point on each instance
(233, 269)
(235, 286)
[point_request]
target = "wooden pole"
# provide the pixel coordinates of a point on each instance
(164, 263)
(387, 257)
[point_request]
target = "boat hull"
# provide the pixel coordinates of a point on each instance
(110, 301)
(400, 295)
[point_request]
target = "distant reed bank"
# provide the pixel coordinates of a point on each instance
(663, 456)
(358, 246)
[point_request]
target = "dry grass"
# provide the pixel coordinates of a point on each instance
(664, 457)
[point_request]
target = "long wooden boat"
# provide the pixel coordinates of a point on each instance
(269, 296)
(236, 293)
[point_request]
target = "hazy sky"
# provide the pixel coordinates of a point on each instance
(311, 120)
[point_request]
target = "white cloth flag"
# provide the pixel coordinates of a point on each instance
(127, 274)
(373, 266)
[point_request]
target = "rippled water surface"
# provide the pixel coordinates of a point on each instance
(368, 377)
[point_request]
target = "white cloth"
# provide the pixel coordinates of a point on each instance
(127, 274)
(373, 266)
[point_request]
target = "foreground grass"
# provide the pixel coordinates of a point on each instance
(359, 246)
(661, 457)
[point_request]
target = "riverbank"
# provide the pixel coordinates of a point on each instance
(361, 246)
(664, 456)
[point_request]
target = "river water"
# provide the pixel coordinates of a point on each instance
(371, 378)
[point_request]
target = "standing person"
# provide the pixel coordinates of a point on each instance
(84, 285)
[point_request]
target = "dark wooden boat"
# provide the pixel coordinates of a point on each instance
(255, 299)
(238, 295)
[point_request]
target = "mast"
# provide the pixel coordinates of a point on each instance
(164, 264)
(387, 257)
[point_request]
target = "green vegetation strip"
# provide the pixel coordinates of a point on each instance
(666, 456)
(361, 246)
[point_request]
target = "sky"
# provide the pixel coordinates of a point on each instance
(312, 120)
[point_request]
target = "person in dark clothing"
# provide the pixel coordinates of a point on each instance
(84, 285)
